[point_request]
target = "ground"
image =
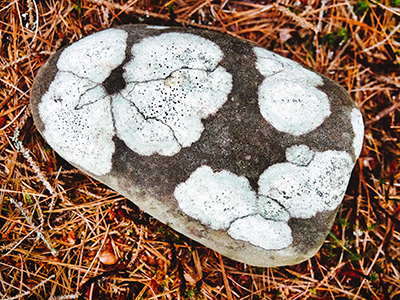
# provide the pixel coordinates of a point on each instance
(65, 236)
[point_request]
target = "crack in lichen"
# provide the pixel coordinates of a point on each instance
(277, 72)
(80, 106)
(258, 212)
(280, 204)
(172, 72)
(151, 118)
(87, 78)
(242, 217)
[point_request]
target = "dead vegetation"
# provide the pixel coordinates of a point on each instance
(66, 236)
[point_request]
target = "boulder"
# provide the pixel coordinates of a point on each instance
(234, 146)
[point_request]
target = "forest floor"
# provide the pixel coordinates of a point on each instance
(65, 236)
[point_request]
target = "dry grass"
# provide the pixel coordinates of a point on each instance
(58, 226)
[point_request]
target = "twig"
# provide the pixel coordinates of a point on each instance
(15, 118)
(97, 254)
(31, 24)
(383, 113)
(26, 154)
(321, 15)
(303, 23)
(21, 59)
(225, 278)
(66, 297)
(15, 244)
(37, 229)
(389, 80)
(20, 296)
(385, 40)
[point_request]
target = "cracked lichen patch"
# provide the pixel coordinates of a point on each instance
(225, 201)
(176, 103)
(171, 88)
(169, 52)
(222, 200)
(80, 133)
(157, 100)
(76, 109)
(238, 148)
(306, 190)
(143, 134)
(95, 56)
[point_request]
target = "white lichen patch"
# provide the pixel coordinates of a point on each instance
(95, 56)
(173, 82)
(292, 106)
(288, 97)
(299, 154)
(358, 128)
(82, 136)
(225, 201)
(268, 234)
(215, 198)
(76, 109)
(305, 190)
(158, 56)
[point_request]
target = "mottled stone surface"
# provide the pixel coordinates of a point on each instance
(240, 149)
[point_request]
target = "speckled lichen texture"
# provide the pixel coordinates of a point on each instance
(242, 150)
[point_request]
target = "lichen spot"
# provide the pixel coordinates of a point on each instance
(358, 128)
(300, 155)
(288, 97)
(267, 234)
(291, 106)
(172, 82)
(80, 110)
(158, 56)
(215, 198)
(95, 56)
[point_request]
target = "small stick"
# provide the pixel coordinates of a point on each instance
(383, 113)
(37, 229)
(226, 282)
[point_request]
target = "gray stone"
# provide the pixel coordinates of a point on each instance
(238, 148)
